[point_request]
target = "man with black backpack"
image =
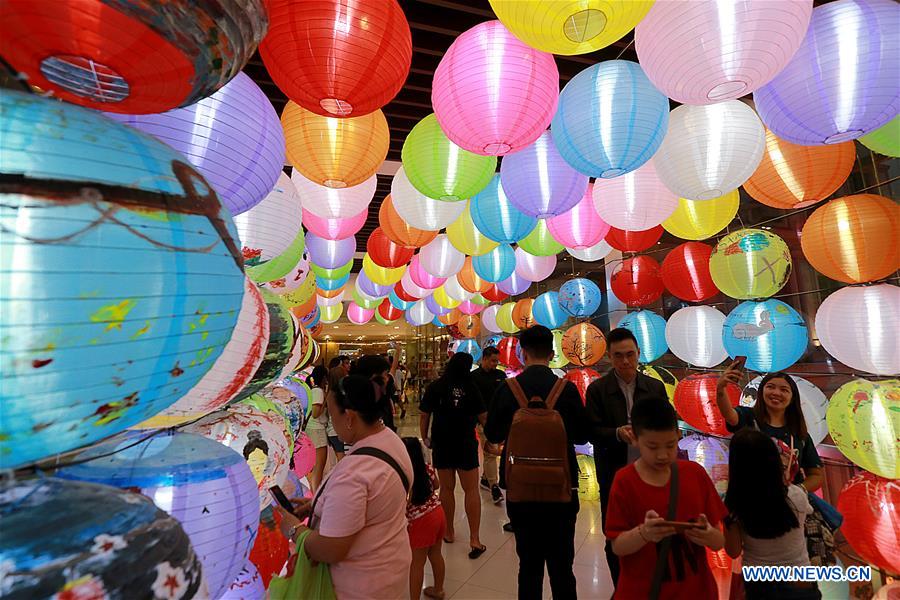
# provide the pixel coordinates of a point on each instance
(541, 418)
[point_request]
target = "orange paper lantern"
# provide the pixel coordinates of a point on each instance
(468, 325)
(583, 344)
(398, 230)
(450, 318)
(469, 280)
(522, 315)
(331, 293)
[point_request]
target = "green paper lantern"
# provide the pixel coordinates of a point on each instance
(479, 300)
(539, 242)
(864, 422)
(884, 140)
(559, 359)
(365, 302)
(330, 314)
(282, 264)
(335, 273)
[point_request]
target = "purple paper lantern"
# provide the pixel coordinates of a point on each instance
(248, 585)
(330, 254)
(370, 288)
(435, 308)
(514, 285)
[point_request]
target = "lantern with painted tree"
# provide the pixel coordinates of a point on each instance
(583, 344)
(522, 314)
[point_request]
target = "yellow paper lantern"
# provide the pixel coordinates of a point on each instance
(663, 375)
(382, 275)
(336, 153)
(701, 219)
(864, 423)
(750, 263)
(505, 319)
(330, 314)
(588, 486)
(302, 294)
(443, 299)
(466, 238)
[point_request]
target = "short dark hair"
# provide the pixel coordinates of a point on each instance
(489, 352)
(653, 414)
(537, 341)
(356, 392)
(458, 367)
(371, 364)
(620, 334)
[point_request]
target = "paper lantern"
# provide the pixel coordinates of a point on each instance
(438, 168)
(570, 27)
(410, 289)
(466, 237)
(750, 263)
(423, 278)
(270, 551)
(579, 297)
(884, 140)
(598, 251)
(580, 226)
(853, 239)
(381, 275)
(206, 486)
(418, 314)
(702, 219)
(334, 203)
(269, 228)
(448, 316)
(635, 201)
(418, 210)
(559, 359)
(386, 253)
(335, 273)
(480, 300)
(508, 355)
(864, 425)
(540, 241)
(330, 253)
(130, 58)
(295, 278)
(534, 268)
(388, 311)
(71, 539)
(810, 105)
(359, 315)
(710, 150)
(665, 376)
(469, 279)
(494, 294)
(588, 487)
(685, 272)
(330, 314)
(637, 281)
(539, 182)
(398, 230)
(582, 378)
(650, 330)
(279, 346)
(248, 585)
(695, 401)
(278, 266)
(333, 284)
(496, 217)
(710, 453)
(633, 241)
(496, 265)
(368, 48)
(771, 334)
(610, 120)
(583, 344)
(454, 290)
(491, 93)
(706, 51)
(470, 308)
(116, 198)
(365, 284)
(363, 300)
(440, 296)
(440, 258)
(522, 314)
(694, 335)
(504, 318)
(791, 176)
(548, 312)
(514, 285)
(399, 297)
(489, 319)
(469, 326)
(468, 347)
(812, 401)
(302, 294)
(870, 506)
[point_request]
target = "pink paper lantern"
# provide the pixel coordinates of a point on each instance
(423, 278)
(493, 94)
(359, 315)
(334, 229)
(411, 288)
(304, 458)
(470, 308)
(534, 268)
(636, 201)
(581, 226)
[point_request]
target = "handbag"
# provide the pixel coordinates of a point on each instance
(303, 580)
(662, 556)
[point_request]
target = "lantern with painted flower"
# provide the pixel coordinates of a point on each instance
(269, 228)
(864, 425)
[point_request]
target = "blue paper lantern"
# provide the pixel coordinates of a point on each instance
(771, 334)
(398, 302)
(206, 486)
(330, 285)
(610, 119)
(579, 297)
(121, 277)
(469, 346)
(548, 312)
(491, 341)
(496, 265)
(434, 322)
(496, 217)
(650, 330)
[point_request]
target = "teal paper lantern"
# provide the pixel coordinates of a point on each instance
(579, 297)
(771, 334)
(329, 285)
(468, 346)
(496, 265)
(650, 330)
(496, 217)
(548, 312)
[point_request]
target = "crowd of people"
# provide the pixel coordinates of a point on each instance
(383, 511)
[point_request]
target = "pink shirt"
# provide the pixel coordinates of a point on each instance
(364, 496)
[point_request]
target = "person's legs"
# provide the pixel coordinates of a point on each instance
(436, 558)
(526, 519)
(469, 481)
(447, 478)
(604, 479)
(560, 548)
(315, 478)
(417, 572)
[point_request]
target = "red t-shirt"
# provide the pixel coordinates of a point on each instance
(688, 574)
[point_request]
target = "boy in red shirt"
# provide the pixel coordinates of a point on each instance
(638, 505)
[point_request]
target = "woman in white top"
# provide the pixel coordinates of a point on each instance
(317, 425)
(766, 516)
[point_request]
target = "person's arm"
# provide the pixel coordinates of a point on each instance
(424, 422)
(651, 530)
(733, 544)
(499, 417)
(426, 407)
(731, 375)
(811, 463)
(599, 432)
(815, 477)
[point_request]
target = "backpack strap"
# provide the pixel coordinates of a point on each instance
(558, 387)
(517, 391)
(663, 548)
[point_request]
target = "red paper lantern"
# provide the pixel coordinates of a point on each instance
(695, 401)
(402, 294)
(494, 294)
(637, 281)
(582, 378)
(386, 253)
(337, 58)
(633, 241)
(508, 354)
(685, 272)
(270, 550)
(388, 311)
(871, 508)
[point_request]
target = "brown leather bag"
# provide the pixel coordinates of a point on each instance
(537, 461)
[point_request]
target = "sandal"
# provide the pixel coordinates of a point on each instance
(431, 592)
(476, 552)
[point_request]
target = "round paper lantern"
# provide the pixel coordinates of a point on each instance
(496, 265)
(489, 318)
(333, 284)
(144, 58)
(695, 401)
(548, 312)
(665, 376)
(440, 296)
(598, 251)
(583, 344)
(539, 182)
(470, 308)
(398, 230)
(480, 300)
(514, 285)
(710, 453)
(440, 259)
(368, 48)
(884, 140)
(270, 550)
(335, 273)
(534, 268)
(469, 280)
(359, 315)
(580, 226)
(467, 346)
(559, 359)
(399, 297)
(386, 253)
(579, 297)
(438, 168)
(279, 266)
(504, 318)
(494, 294)
(72, 539)
(710, 150)
(853, 239)
(466, 237)
(771, 334)
(635, 201)
(702, 219)
(388, 311)
(650, 330)
(582, 378)
(206, 486)
(423, 278)
(493, 340)
(421, 211)
(540, 241)
(509, 357)
(522, 314)
(117, 198)
(454, 290)
(449, 316)
(685, 272)
(491, 93)
(810, 105)
(633, 241)
(269, 228)
(364, 301)
(330, 314)
(870, 506)
(610, 120)
(496, 217)
(248, 585)
(381, 275)
(295, 278)
(418, 314)
(864, 424)
(701, 52)
(637, 281)
(335, 153)
(588, 486)
(791, 176)
(812, 401)
(469, 326)
(856, 324)
(365, 285)
(570, 27)
(334, 203)
(330, 253)
(694, 335)
(750, 263)
(411, 289)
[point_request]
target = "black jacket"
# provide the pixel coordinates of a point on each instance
(488, 382)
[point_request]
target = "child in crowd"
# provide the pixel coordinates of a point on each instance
(426, 524)
(639, 514)
(766, 515)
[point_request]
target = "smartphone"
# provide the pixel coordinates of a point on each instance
(281, 499)
(739, 362)
(681, 526)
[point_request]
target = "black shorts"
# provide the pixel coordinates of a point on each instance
(461, 457)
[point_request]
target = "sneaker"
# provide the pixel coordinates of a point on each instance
(485, 484)
(496, 494)
(508, 527)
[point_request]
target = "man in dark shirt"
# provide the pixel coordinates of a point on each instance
(545, 531)
(488, 378)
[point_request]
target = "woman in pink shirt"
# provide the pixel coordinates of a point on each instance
(359, 513)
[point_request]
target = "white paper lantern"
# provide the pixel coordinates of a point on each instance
(710, 150)
(419, 210)
(860, 326)
(534, 268)
(322, 301)
(454, 290)
(694, 335)
(635, 201)
(489, 318)
(334, 203)
(592, 254)
(269, 228)
(813, 402)
(439, 258)
(418, 314)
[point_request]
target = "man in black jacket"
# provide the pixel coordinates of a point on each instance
(545, 531)
(609, 401)
(488, 378)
